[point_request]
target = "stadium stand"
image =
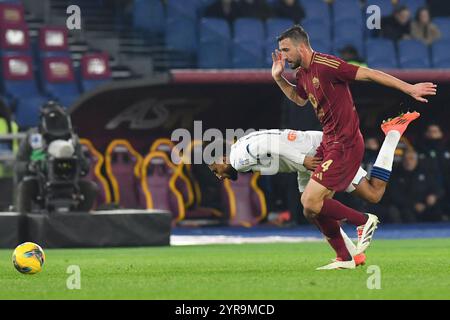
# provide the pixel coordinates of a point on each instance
(53, 42)
(17, 78)
(95, 70)
(58, 79)
(413, 54)
(441, 57)
(214, 50)
(381, 53)
(248, 43)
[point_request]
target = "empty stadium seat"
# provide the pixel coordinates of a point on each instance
(248, 43)
(59, 79)
(11, 15)
(319, 34)
(347, 10)
(386, 6)
(95, 70)
(381, 53)
(443, 23)
(245, 202)
(342, 36)
(214, 44)
(274, 27)
(317, 9)
(96, 161)
(440, 54)
(149, 15)
(123, 168)
(181, 26)
(413, 54)
(15, 40)
(158, 176)
(53, 42)
(20, 86)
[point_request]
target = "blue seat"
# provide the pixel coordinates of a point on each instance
(185, 8)
(317, 30)
(413, 54)
(58, 80)
(317, 9)
(181, 34)
(149, 15)
(342, 36)
(65, 93)
(214, 44)
(413, 5)
(344, 10)
(386, 6)
(247, 55)
(440, 54)
(248, 29)
(181, 26)
(248, 43)
(381, 54)
(274, 27)
(321, 46)
(443, 23)
(20, 87)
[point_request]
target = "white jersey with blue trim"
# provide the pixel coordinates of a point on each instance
(274, 151)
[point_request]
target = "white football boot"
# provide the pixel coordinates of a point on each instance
(339, 264)
(365, 233)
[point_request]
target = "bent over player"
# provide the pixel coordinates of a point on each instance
(275, 151)
(323, 80)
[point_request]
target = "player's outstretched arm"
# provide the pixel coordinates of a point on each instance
(285, 86)
(418, 91)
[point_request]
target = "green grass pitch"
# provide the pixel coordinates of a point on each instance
(410, 269)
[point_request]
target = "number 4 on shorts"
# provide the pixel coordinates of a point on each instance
(326, 165)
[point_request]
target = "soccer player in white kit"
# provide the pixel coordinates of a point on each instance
(276, 151)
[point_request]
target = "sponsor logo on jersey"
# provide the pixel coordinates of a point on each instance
(292, 135)
(316, 82)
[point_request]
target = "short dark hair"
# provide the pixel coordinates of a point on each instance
(296, 33)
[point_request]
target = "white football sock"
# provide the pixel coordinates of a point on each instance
(385, 157)
(349, 243)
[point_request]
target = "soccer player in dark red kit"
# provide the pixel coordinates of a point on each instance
(323, 80)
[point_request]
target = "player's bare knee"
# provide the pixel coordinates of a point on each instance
(310, 205)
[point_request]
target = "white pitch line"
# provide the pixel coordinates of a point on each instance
(203, 240)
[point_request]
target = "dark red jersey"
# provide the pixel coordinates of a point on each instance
(325, 85)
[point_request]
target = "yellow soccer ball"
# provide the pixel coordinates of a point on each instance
(28, 258)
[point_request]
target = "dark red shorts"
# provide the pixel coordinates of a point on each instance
(339, 165)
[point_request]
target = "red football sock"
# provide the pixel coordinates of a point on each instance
(331, 229)
(335, 210)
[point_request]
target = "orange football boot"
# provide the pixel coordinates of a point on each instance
(399, 123)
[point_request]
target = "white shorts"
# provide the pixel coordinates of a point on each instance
(303, 178)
